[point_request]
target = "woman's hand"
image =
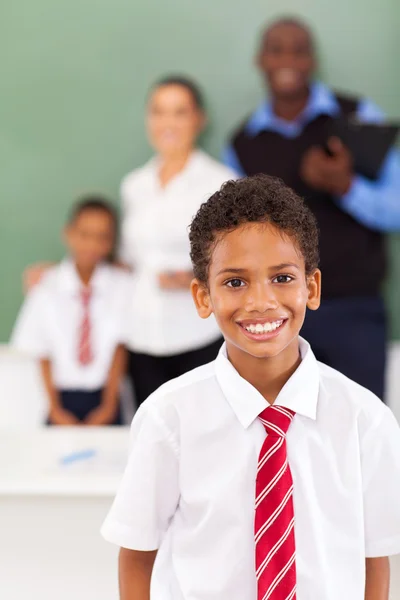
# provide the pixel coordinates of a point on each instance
(33, 274)
(175, 280)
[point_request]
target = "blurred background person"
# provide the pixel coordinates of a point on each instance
(165, 336)
(73, 322)
(287, 136)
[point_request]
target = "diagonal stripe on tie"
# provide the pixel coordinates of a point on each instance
(292, 594)
(279, 577)
(274, 428)
(284, 411)
(271, 484)
(275, 548)
(270, 453)
(274, 515)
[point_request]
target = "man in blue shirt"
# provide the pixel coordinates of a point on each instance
(288, 137)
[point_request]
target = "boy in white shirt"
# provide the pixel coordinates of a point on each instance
(73, 322)
(264, 475)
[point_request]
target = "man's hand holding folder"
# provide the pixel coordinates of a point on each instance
(351, 147)
(328, 172)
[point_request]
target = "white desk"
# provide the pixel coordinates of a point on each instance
(50, 513)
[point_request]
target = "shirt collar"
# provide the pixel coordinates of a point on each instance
(300, 393)
(322, 101)
(70, 282)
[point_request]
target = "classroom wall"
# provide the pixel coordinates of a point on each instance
(74, 77)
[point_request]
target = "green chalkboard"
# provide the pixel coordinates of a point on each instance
(74, 76)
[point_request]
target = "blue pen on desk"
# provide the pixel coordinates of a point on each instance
(77, 456)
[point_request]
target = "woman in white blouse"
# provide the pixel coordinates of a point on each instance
(165, 336)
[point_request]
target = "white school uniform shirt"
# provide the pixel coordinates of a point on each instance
(155, 239)
(48, 325)
(189, 484)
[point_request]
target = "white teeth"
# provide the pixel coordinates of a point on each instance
(263, 327)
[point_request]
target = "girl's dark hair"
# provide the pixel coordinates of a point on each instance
(257, 199)
(186, 83)
(96, 203)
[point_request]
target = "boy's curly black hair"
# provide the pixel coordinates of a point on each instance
(257, 199)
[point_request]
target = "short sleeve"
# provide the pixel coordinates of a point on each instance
(381, 486)
(30, 331)
(149, 493)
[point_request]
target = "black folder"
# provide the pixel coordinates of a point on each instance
(368, 143)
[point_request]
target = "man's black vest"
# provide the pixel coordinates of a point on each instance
(352, 256)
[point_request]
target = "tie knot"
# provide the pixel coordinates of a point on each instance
(276, 420)
(86, 293)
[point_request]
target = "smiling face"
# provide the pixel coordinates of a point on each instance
(258, 291)
(287, 60)
(174, 121)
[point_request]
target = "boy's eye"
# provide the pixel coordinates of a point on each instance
(235, 283)
(283, 279)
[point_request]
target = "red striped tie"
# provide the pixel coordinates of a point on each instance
(85, 350)
(274, 519)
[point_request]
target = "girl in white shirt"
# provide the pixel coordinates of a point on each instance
(165, 336)
(164, 333)
(73, 321)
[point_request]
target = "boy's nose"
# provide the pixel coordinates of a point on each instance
(261, 298)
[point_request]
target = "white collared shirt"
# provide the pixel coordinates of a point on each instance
(155, 239)
(189, 484)
(49, 322)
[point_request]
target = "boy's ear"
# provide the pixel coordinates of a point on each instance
(314, 290)
(201, 297)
